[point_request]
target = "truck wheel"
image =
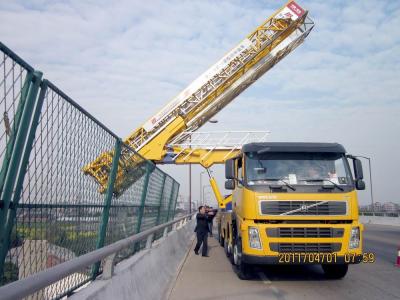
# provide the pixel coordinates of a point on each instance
(220, 238)
(226, 248)
(335, 271)
(243, 269)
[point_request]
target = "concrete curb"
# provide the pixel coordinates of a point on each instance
(146, 275)
(173, 282)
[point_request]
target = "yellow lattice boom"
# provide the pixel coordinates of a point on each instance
(279, 35)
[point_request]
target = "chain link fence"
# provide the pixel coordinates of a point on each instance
(51, 211)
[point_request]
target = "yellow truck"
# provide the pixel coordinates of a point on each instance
(292, 203)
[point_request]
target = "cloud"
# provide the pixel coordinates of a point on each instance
(123, 61)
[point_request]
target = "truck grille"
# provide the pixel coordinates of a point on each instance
(305, 232)
(304, 208)
(316, 247)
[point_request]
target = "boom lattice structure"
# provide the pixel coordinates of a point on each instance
(206, 148)
(279, 35)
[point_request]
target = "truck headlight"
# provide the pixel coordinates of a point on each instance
(254, 238)
(354, 238)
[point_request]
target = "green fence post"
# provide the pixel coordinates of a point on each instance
(107, 203)
(149, 169)
(161, 198)
(12, 171)
(23, 169)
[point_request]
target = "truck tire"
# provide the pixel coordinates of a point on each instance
(226, 248)
(220, 238)
(335, 271)
(242, 269)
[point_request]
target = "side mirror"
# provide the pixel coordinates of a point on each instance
(230, 184)
(230, 169)
(360, 184)
(358, 171)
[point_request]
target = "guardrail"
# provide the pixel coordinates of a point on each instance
(34, 283)
(50, 211)
(380, 214)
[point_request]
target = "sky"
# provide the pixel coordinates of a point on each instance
(124, 60)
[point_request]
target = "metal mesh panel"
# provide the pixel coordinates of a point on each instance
(166, 200)
(154, 202)
(162, 213)
(61, 213)
(142, 206)
(60, 209)
(125, 209)
(15, 80)
(174, 200)
(13, 84)
(153, 199)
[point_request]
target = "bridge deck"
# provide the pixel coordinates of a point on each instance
(214, 277)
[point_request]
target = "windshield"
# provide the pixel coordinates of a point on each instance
(297, 169)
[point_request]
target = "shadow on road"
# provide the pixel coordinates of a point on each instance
(292, 272)
(286, 273)
(282, 272)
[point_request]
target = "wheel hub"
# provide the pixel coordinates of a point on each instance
(235, 255)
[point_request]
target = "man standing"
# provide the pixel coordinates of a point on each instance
(202, 230)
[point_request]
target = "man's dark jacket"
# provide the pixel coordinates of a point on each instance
(202, 223)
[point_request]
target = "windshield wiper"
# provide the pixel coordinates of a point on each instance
(324, 179)
(281, 180)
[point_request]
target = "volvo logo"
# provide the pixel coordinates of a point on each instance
(303, 207)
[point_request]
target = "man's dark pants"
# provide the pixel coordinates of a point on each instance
(201, 239)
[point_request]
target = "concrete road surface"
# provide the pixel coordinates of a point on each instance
(214, 277)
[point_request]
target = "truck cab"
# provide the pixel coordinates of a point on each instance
(293, 203)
